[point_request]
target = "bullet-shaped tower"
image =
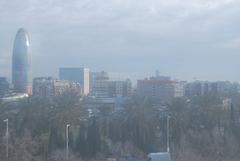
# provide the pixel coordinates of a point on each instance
(21, 63)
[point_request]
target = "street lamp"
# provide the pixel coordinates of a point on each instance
(67, 140)
(6, 120)
(168, 141)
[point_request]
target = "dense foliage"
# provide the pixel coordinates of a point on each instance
(200, 129)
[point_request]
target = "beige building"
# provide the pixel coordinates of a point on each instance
(49, 87)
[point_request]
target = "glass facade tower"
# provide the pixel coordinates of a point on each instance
(21, 63)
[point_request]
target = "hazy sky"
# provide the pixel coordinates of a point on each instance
(185, 39)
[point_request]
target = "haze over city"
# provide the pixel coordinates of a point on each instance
(195, 39)
(119, 80)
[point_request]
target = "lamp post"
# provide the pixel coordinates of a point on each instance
(168, 139)
(6, 121)
(67, 140)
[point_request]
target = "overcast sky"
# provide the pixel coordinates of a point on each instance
(186, 39)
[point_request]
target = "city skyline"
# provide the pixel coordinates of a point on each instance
(187, 41)
(119, 80)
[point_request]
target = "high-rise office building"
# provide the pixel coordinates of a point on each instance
(21, 63)
(80, 75)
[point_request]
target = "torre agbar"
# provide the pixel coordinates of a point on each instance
(21, 63)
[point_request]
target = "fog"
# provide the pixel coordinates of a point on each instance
(188, 40)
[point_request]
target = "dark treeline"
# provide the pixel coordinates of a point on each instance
(200, 129)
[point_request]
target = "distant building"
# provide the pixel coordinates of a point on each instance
(226, 87)
(160, 77)
(106, 104)
(96, 76)
(43, 87)
(102, 87)
(193, 89)
(14, 97)
(4, 86)
(49, 87)
(160, 156)
(179, 89)
(97, 103)
(60, 86)
(199, 88)
(21, 63)
(80, 75)
(110, 88)
(160, 88)
(227, 104)
(156, 89)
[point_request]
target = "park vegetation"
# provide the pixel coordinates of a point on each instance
(200, 129)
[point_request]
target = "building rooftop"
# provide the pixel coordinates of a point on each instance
(160, 156)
